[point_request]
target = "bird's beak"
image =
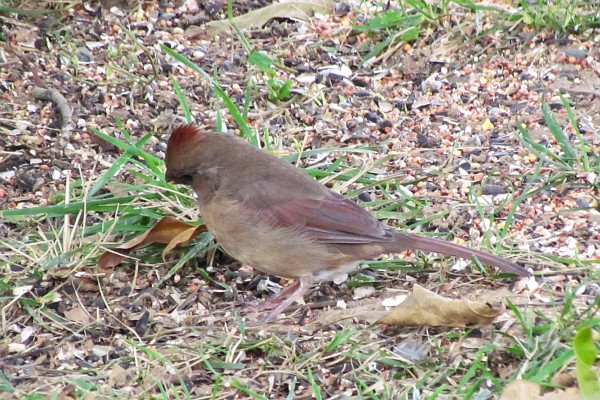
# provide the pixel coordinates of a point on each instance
(174, 177)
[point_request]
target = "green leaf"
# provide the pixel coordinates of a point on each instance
(547, 370)
(101, 205)
(586, 354)
(360, 280)
(5, 385)
(391, 19)
(279, 90)
(285, 93)
(410, 35)
(315, 386)
(28, 12)
(340, 339)
(261, 60)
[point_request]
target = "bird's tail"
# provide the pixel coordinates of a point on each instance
(405, 241)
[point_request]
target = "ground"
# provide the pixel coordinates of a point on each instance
(444, 134)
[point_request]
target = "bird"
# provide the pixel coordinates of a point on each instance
(272, 216)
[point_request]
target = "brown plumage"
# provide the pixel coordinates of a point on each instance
(270, 215)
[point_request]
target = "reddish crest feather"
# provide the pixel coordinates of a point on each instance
(183, 135)
(180, 141)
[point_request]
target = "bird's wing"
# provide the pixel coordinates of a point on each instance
(331, 220)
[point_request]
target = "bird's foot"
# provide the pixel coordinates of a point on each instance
(272, 302)
(282, 300)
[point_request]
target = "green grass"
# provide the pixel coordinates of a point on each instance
(573, 156)
(129, 221)
(411, 21)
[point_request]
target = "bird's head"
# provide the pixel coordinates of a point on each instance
(182, 155)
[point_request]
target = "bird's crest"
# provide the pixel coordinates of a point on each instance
(181, 140)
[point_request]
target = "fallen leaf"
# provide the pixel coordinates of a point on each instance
(363, 310)
(67, 392)
(118, 376)
(568, 394)
(16, 347)
(168, 230)
(300, 10)
(424, 307)
(25, 35)
(20, 291)
(421, 307)
(487, 125)
(183, 237)
(521, 390)
(85, 284)
(78, 314)
(363, 292)
(525, 390)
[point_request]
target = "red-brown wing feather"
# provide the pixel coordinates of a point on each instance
(336, 220)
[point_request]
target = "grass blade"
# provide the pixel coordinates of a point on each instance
(237, 116)
(569, 153)
(540, 151)
(582, 151)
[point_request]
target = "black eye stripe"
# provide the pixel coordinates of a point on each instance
(185, 179)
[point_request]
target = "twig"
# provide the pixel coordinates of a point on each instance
(61, 104)
(52, 95)
(584, 92)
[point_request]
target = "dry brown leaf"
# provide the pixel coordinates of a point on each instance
(301, 10)
(424, 307)
(568, 394)
(183, 237)
(521, 390)
(525, 390)
(118, 376)
(67, 392)
(84, 283)
(78, 314)
(363, 310)
(168, 230)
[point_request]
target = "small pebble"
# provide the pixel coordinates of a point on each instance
(575, 54)
(582, 203)
(493, 190)
(432, 187)
(84, 56)
(371, 116)
(360, 82)
(117, 11)
(385, 124)
(342, 9)
(228, 65)
(364, 196)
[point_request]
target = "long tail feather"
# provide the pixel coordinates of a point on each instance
(406, 241)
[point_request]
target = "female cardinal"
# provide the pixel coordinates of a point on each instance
(270, 215)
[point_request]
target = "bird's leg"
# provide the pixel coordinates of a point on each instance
(301, 285)
(273, 301)
(281, 300)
